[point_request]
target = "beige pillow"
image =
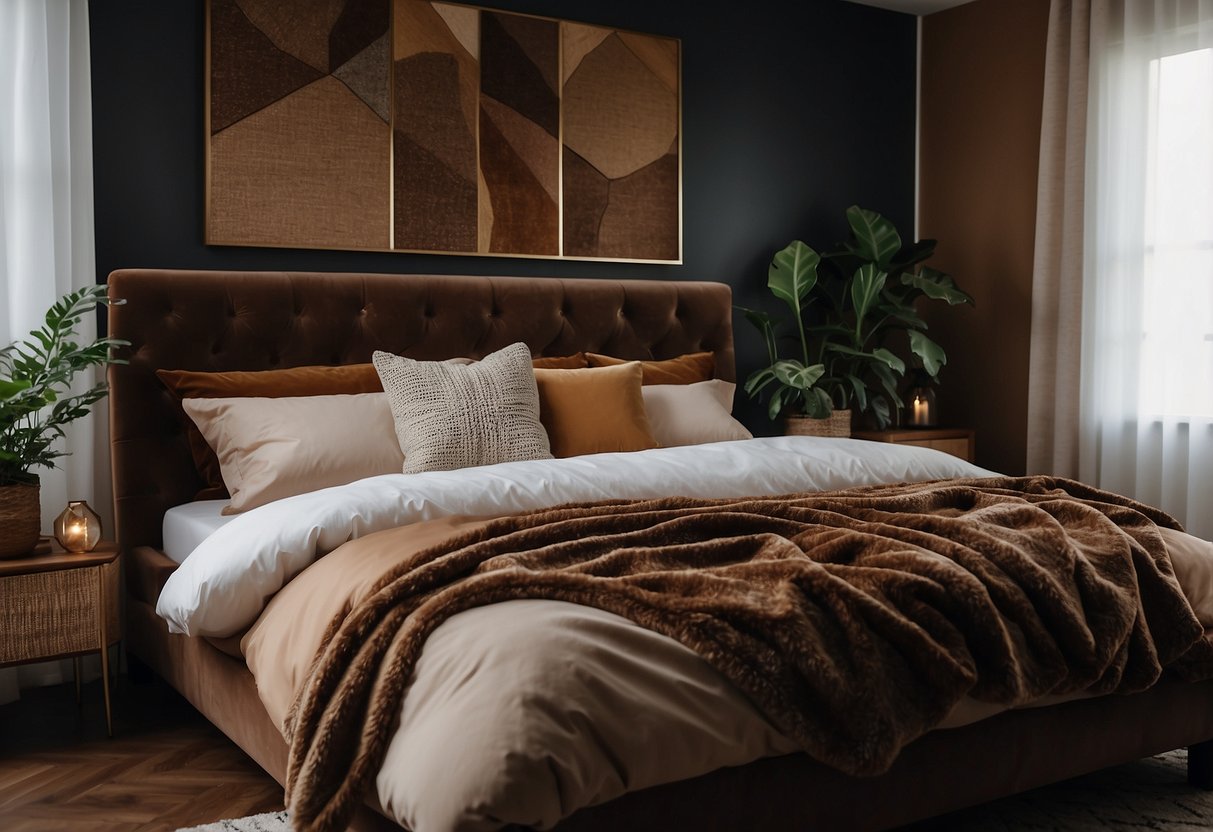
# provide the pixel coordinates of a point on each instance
(593, 411)
(692, 414)
(1192, 559)
(449, 416)
(273, 384)
(274, 448)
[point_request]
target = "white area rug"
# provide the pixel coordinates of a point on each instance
(1150, 794)
(271, 822)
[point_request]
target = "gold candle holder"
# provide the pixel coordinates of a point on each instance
(78, 528)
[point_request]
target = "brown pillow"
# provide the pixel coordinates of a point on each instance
(269, 384)
(685, 369)
(595, 410)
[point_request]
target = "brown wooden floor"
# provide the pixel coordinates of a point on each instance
(166, 766)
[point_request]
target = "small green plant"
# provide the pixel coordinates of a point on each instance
(847, 308)
(35, 386)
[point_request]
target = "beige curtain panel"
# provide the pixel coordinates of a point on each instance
(1054, 382)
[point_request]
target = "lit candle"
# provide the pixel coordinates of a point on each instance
(920, 410)
(77, 536)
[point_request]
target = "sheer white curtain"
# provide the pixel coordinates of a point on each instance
(1146, 402)
(46, 224)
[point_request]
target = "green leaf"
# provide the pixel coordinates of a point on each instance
(793, 273)
(932, 355)
(894, 363)
(912, 255)
(766, 325)
(880, 409)
(876, 239)
(796, 375)
(887, 380)
(861, 391)
(818, 404)
(776, 406)
(903, 314)
(758, 381)
(865, 288)
(936, 285)
(9, 389)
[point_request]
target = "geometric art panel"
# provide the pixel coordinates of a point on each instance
(520, 132)
(621, 161)
(435, 80)
(299, 139)
(411, 125)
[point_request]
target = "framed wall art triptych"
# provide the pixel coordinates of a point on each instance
(408, 125)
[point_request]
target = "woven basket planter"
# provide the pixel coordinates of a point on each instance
(20, 520)
(837, 424)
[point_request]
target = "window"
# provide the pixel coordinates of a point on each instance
(1176, 360)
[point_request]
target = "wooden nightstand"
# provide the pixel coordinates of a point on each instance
(959, 442)
(61, 605)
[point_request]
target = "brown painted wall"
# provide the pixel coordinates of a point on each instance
(982, 81)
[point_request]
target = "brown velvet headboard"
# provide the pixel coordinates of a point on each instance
(213, 321)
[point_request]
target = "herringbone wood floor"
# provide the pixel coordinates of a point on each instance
(166, 766)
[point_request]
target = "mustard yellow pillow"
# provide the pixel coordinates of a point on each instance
(685, 369)
(595, 410)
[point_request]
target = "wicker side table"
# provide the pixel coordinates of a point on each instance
(61, 605)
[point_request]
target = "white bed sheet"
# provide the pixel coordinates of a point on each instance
(187, 525)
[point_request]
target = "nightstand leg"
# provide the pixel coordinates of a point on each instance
(76, 676)
(105, 656)
(105, 683)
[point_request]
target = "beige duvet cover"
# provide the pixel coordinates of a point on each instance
(520, 712)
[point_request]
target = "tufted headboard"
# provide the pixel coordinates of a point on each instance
(214, 321)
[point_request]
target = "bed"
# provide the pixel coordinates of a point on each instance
(222, 321)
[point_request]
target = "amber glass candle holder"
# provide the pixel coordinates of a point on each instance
(78, 528)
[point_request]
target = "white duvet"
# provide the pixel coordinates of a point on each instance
(226, 581)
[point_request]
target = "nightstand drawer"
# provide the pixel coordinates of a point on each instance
(955, 441)
(955, 447)
(56, 613)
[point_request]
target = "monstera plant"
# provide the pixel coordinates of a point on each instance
(848, 307)
(37, 403)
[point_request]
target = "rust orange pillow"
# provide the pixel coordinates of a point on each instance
(576, 361)
(594, 410)
(685, 369)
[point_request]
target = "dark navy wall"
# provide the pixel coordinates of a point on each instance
(791, 112)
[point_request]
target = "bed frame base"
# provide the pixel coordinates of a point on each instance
(1200, 765)
(942, 772)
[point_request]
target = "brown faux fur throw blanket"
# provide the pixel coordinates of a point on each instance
(855, 620)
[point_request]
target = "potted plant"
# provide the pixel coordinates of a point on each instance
(36, 403)
(848, 307)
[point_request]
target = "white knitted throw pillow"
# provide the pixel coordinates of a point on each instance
(454, 416)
